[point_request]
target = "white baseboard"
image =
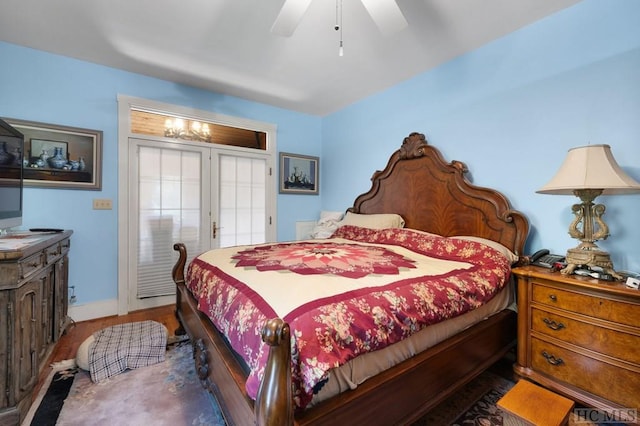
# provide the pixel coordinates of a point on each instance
(95, 310)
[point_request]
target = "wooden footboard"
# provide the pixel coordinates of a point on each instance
(397, 396)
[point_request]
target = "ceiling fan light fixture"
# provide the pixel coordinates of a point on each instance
(386, 14)
(289, 17)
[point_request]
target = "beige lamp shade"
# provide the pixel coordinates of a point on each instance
(590, 167)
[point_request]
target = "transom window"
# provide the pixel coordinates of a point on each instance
(185, 128)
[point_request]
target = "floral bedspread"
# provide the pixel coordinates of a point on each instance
(372, 291)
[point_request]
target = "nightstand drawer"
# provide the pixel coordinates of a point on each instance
(615, 343)
(597, 307)
(597, 377)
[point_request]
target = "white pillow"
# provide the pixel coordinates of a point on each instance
(373, 221)
(513, 258)
(328, 216)
(82, 356)
(326, 226)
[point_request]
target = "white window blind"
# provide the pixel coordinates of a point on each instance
(170, 208)
(242, 201)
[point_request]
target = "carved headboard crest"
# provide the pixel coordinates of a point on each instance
(413, 146)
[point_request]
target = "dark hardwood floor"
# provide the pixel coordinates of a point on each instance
(68, 344)
(76, 333)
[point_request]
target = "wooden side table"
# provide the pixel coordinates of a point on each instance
(536, 405)
(579, 337)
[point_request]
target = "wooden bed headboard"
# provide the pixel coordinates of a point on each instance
(434, 196)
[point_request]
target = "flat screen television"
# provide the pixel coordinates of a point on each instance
(11, 156)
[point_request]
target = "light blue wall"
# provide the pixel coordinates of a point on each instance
(43, 87)
(511, 110)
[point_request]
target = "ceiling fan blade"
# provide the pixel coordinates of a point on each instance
(386, 14)
(289, 17)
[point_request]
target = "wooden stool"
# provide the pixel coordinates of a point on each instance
(536, 405)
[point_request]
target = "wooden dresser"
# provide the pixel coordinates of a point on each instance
(33, 315)
(579, 337)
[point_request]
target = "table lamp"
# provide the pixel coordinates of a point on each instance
(587, 172)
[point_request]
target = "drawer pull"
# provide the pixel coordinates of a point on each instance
(553, 297)
(34, 264)
(552, 359)
(553, 325)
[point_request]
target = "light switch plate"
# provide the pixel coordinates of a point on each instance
(102, 204)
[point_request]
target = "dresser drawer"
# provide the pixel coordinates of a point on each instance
(597, 307)
(615, 343)
(597, 377)
(30, 265)
(53, 252)
(65, 245)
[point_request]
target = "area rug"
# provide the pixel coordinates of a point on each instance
(168, 393)
(475, 404)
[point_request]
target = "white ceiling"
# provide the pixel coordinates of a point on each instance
(226, 46)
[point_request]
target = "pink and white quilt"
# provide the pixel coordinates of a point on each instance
(359, 291)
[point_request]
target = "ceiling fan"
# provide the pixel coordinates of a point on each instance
(385, 13)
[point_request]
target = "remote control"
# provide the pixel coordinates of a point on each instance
(46, 230)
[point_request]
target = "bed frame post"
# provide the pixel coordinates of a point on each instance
(178, 269)
(274, 402)
(178, 277)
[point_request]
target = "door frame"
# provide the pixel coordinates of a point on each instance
(125, 105)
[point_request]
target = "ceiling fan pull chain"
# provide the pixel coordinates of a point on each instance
(338, 26)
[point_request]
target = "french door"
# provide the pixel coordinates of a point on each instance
(203, 196)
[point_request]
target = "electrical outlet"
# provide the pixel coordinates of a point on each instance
(102, 204)
(633, 283)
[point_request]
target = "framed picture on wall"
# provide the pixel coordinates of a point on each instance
(60, 156)
(299, 174)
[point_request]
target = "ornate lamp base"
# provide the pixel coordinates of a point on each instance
(577, 257)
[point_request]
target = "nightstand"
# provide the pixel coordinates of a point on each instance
(579, 337)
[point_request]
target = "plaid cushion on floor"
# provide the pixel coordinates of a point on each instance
(126, 346)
